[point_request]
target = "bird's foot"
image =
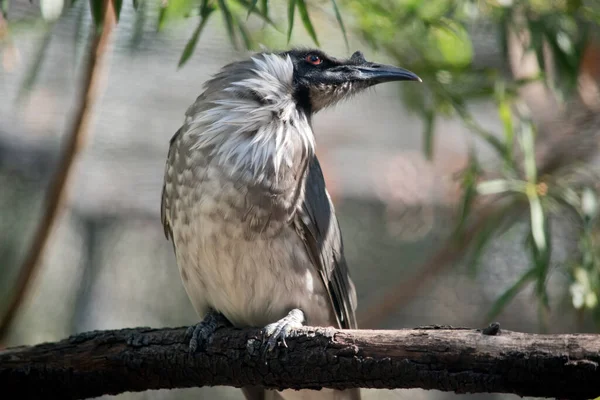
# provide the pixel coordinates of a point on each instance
(202, 331)
(276, 332)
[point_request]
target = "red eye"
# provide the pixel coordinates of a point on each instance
(313, 59)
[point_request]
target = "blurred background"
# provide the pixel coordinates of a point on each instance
(464, 200)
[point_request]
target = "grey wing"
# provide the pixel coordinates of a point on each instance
(164, 201)
(321, 232)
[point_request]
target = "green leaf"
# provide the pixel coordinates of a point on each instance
(495, 186)
(505, 114)
(97, 8)
(470, 177)
(244, 34)
(252, 8)
(4, 6)
(33, 71)
(178, 9)
(538, 223)
(265, 7)
(291, 10)
(229, 24)
(509, 294)
(136, 4)
(205, 11)
(306, 21)
(428, 131)
(338, 16)
(138, 26)
(118, 4)
(528, 146)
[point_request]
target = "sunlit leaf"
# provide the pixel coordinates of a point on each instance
(306, 21)
(509, 294)
(173, 10)
(496, 186)
(291, 12)
(450, 45)
(589, 205)
(205, 11)
(338, 17)
(538, 225)
(505, 114)
(51, 9)
(528, 146)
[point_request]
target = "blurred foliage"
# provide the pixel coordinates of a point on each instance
(434, 38)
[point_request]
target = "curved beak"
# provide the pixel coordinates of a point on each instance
(379, 73)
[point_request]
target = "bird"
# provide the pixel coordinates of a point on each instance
(244, 203)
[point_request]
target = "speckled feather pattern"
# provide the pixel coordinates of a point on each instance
(230, 197)
(234, 182)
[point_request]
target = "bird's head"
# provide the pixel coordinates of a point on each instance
(321, 80)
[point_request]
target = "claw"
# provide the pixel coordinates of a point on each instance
(201, 332)
(277, 332)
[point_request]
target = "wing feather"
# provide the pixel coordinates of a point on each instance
(317, 223)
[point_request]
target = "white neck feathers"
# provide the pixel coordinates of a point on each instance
(251, 122)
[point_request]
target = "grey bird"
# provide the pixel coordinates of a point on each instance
(244, 202)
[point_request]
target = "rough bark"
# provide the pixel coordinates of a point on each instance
(442, 358)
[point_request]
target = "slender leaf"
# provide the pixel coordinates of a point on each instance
(4, 6)
(118, 4)
(510, 293)
(528, 146)
(136, 4)
(138, 26)
(538, 225)
(162, 13)
(306, 21)
(252, 8)
(429, 128)
(205, 11)
(505, 114)
(244, 34)
(265, 7)
(97, 8)
(495, 186)
(229, 24)
(291, 12)
(469, 179)
(338, 16)
(36, 66)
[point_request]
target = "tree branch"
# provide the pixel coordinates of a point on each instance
(443, 358)
(74, 143)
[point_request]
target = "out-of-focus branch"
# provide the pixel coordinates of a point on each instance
(75, 137)
(443, 358)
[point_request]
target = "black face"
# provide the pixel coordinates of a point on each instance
(313, 67)
(322, 80)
